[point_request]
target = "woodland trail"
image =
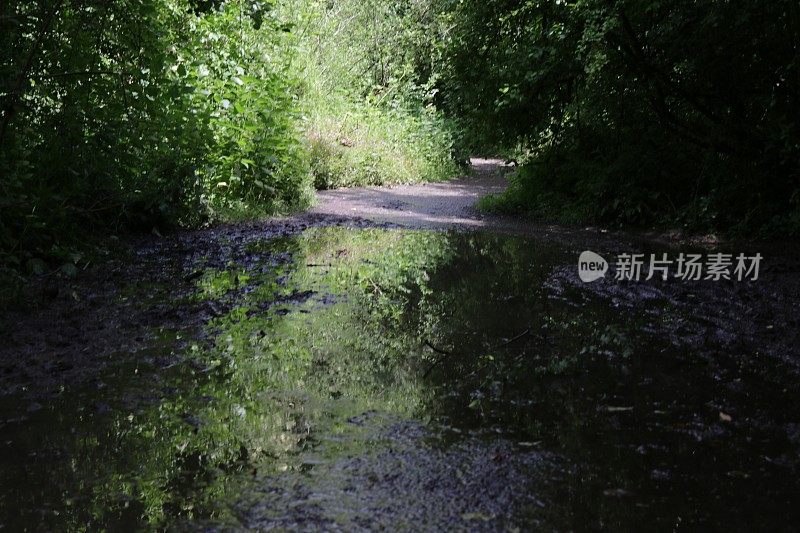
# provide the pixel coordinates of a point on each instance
(423, 205)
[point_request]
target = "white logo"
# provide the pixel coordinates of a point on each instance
(591, 266)
(688, 267)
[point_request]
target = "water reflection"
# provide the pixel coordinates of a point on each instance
(326, 343)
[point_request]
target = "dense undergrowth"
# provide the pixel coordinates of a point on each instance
(144, 115)
(681, 114)
(368, 113)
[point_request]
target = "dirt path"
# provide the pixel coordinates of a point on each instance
(452, 205)
(424, 205)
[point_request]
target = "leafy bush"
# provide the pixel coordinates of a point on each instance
(145, 114)
(139, 115)
(240, 64)
(633, 113)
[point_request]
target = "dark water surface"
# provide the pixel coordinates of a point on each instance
(365, 379)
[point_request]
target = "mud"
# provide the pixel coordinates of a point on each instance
(333, 372)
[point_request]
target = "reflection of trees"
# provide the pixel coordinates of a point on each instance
(309, 343)
(276, 378)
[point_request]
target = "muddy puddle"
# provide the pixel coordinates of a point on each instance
(350, 379)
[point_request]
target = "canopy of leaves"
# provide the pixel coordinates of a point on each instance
(634, 112)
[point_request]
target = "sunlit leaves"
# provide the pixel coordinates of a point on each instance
(134, 113)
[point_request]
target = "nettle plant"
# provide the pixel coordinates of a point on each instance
(141, 114)
(240, 63)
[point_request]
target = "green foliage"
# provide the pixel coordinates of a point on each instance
(368, 116)
(633, 113)
(87, 133)
(240, 66)
(141, 115)
(146, 114)
(358, 144)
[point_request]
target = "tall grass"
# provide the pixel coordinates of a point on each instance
(365, 119)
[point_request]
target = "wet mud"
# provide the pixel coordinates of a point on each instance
(338, 373)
